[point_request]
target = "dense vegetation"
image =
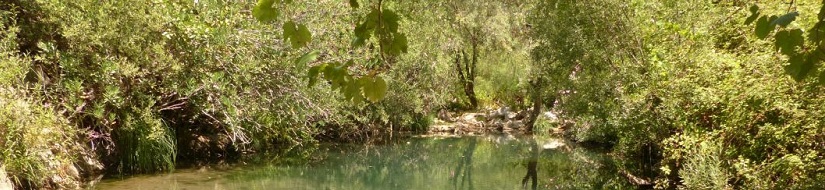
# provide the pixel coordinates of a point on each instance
(687, 87)
(695, 93)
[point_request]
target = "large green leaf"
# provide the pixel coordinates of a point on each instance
(390, 19)
(313, 74)
(297, 34)
(352, 92)
(303, 37)
(306, 58)
(265, 10)
(361, 35)
(398, 45)
(375, 88)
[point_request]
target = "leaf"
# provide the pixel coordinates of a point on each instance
(361, 35)
(375, 88)
(390, 20)
(786, 19)
(398, 45)
(788, 41)
(380, 89)
(297, 34)
(306, 58)
(352, 92)
(754, 14)
(372, 19)
(303, 36)
(763, 27)
(799, 67)
(289, 29)
(265, 11)
(313, 74)
(353, 4)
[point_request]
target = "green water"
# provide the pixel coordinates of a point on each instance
(428, 163)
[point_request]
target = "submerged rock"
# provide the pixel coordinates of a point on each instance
(552, 144)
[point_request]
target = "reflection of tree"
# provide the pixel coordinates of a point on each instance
(532, 162)
(465, 168)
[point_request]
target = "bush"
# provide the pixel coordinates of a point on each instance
(687, 70)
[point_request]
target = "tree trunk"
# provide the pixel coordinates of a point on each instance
(466, 68)
(535, 95)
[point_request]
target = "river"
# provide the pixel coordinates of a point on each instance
(427, 163)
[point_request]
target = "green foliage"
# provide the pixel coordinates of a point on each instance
(380, 21)
(802, 60)
(297, 34)
(691, 94)
(265, 11)
(703, 167)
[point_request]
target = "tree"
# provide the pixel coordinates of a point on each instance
(466, 68)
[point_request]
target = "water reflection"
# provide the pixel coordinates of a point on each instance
(492, 162)
(532, 164)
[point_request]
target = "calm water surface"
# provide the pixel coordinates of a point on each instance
(428, 163)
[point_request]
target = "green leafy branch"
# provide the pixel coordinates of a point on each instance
(380, 22)
(803, 59)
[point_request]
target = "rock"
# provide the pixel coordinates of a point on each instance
(550, 115)
(445, 115)
(5, 182)
(514, 124)
(552, 144)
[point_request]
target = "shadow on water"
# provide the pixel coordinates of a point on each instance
(487, 162)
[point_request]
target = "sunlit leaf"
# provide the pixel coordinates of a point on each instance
(265, 11)
(303, 37)
(372, 19)
(352, 92)
(313, 74)
(390, 19)
(297, 34)
(398, 45)
(306, 58)
(375, 88)
(361, 35)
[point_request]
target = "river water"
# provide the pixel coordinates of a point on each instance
(427, 163)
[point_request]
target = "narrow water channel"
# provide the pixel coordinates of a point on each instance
(427, 163)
